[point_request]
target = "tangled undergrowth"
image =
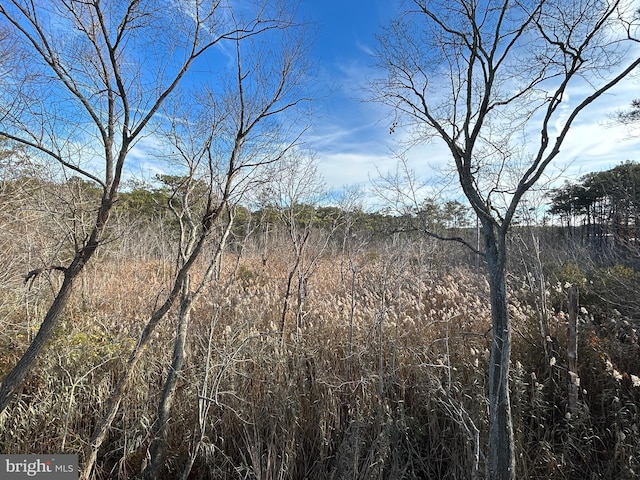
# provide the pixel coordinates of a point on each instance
(380, 373)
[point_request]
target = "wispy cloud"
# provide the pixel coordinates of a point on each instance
(596, 140)
(145, 159)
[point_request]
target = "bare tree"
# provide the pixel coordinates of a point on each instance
(97, 75)
(235, 144)
(501, 83)
(294, 193)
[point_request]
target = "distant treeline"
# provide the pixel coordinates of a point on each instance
(152, 203)
(602, 208)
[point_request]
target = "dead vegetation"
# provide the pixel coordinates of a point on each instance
(384, 376)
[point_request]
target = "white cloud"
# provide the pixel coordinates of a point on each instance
(343, 169)
(596, 141)
(144, 159)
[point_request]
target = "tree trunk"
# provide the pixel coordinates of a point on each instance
(285, 303)
(166, 400)
(501, 445)
(572, 350)
(15, 378)
(102, 428)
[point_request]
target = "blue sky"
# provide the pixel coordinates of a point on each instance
(352, 137)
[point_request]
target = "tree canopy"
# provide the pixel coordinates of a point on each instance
(606, 204)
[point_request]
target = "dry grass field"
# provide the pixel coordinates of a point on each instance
(380, 373)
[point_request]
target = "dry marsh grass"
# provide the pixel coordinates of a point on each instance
(383, 378)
